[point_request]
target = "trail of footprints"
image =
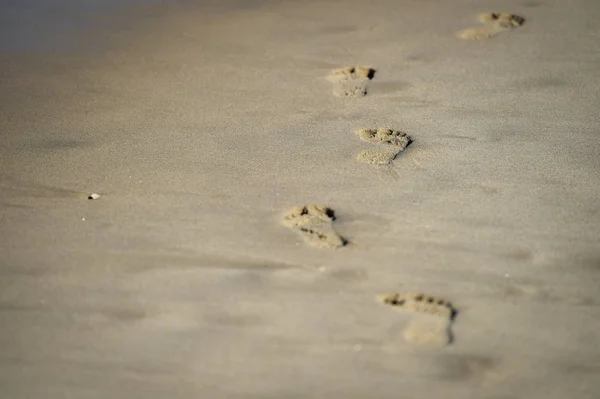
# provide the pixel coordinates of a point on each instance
(431, 318)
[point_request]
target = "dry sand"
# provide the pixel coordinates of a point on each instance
(200, 125)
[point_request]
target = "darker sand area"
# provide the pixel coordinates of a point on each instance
(209, 131)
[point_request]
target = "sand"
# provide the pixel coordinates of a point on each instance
(199, 125)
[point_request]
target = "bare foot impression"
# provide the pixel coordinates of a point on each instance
(432, 318)
(493, 24)
(351, 81)
(315, 224)
(390, 143)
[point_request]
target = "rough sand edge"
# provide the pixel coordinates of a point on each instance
(385, 136)
(308, 215)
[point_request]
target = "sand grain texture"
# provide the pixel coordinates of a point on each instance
(200, 123)
(389, 143)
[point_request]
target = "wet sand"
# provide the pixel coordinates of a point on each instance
(202, 126)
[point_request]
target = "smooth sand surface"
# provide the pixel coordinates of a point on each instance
(200, 125)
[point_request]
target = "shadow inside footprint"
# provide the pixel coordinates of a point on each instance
(315, 224)
(385, 136)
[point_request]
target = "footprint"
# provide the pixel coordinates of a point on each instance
(431, 324)
(315, 224)
(494, 23)
(393, 142)
(351, 81)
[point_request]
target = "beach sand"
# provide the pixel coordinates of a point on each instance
(199, 125)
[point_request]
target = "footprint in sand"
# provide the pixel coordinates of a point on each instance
(315, 224)
(493, 24)
(390, 143)
(351, 81)
(431, 324)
